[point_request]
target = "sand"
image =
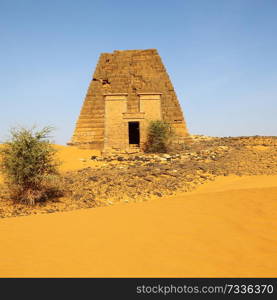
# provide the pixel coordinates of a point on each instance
(227, 228)
(72, 158)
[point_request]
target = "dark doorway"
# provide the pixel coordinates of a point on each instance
(134, 133)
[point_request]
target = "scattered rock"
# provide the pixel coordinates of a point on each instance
(138, 176)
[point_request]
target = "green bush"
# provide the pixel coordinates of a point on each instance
(159, 135)
(29, 166)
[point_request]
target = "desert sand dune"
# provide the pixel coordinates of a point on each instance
(226, 228)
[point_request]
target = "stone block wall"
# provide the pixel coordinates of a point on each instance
(137, 74)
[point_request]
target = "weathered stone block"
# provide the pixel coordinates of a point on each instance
(129, 88)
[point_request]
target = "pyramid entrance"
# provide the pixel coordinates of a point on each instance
(134, 134)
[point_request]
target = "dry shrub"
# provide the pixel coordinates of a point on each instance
(159, 137)
(29, 166)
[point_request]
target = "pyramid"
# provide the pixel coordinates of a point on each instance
(129, 88)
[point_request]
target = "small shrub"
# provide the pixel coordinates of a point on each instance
(159, 137)
(29, 166)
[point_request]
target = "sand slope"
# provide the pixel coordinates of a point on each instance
(226, 228)
(73, 158)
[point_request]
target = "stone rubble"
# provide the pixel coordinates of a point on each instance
(138, 177)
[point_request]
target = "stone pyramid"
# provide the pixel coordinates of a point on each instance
(129, 88)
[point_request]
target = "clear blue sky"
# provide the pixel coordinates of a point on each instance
(220, 54)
